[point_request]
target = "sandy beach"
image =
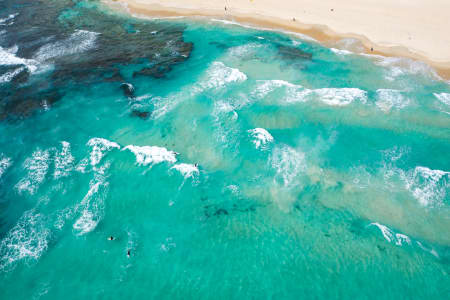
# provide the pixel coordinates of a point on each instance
(416, 28)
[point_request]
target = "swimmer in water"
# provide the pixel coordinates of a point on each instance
(196, 165)
(111, 238)
(128, 252)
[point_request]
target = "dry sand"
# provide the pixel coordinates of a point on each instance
(418, 29)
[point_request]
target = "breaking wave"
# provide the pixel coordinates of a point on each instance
(400, 239)
(9, 20)
(151, 155)
(443, 97)
(261, 137)
(187, 170)
(99, 148)
(297, 93)
(428, 186)
(218, 75)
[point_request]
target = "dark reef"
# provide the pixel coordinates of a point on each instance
(119, 41)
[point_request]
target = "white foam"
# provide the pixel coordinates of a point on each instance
(292, 92)
(187, 170)
(261, 137)
(228, 22)
(341, 51)
(150, 155)
(37, 167)
(10, 18)
(233, 188)
(13, 49)
(222, 107)
(340, 96)
(10, 59)
(428, 186)
(402, 238)
(388, 99)
(397, 66)
(5, 163)
(443, 97)
(168, 244)
(86, 223)
(387, 233)
(349, 46)
(99, 147)
(8, 76)
(77, 42)
(398, 238)
(28, 239)
(62, 216)
(218, 75)
(299, 35)
(288, 163)
(243, 50)
(395, 153)
(81, 167)
(430, 250)
(92, 204)
(297, 93)
(63, 161)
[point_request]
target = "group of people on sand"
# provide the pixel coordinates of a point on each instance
(111, 238)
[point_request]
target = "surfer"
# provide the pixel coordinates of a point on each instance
(111, 238)
(128, 252)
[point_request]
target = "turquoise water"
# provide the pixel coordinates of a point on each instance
(238, 163)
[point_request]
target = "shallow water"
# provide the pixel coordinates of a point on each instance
(321, 173)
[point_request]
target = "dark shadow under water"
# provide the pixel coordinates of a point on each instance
(61, 43)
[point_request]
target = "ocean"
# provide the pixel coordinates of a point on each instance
(226, 162)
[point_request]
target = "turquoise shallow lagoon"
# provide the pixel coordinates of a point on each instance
(230, 162)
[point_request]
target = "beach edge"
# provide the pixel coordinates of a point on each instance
(321, 33)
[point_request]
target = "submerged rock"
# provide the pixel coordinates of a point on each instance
(21, 104)
(293, 53)
(128, 89)
(84, 45)
(169, 59)
(157, 71)
(21, 77)
(141, 114)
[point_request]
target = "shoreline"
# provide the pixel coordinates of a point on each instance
(321, 33)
